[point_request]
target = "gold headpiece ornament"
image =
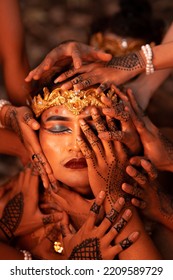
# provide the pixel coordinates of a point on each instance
(75, 101)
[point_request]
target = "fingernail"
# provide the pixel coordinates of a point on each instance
(128, 213)
(134, 235)
(81, 121)
(121, 201)
(101, 194)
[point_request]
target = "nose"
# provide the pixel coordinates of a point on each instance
(73, 146)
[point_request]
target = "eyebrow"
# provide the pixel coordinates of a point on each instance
(61, 118)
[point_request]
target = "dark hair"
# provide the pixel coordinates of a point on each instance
(135, 19)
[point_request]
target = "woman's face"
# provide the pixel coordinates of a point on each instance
(58, 132)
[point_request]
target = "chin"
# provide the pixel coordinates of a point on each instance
(79, 185)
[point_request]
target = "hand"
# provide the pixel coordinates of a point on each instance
(64, 54)
(127, 134)
(94, 243)
(19, 209)
(22, 122)
(156, 146)
(40, 243)
(106, 160)
(117, 71)
(148, 195)
(76, 206)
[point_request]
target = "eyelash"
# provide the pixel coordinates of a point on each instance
(59, 130)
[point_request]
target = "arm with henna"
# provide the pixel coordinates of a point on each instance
(21, 121)
(19, 211)
(94, 243)
(107, 162)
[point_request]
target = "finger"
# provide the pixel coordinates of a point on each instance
(30, 121)
(66, 75)
(103, 87)
(76, 57)
(86, 151)
(149, 168)
(127, 242)
(112, 215)
(94, 210)
(124, 244)
(43, 168)
(136, 160)
(100, 55)
(113, 135)
(133, 190)
(51, 218)
(136, 175)
(91, 137)
(118, 227)
(139, 203)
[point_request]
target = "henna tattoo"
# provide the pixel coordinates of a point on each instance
(63, 231)
(12, 215)
(39, 157)
(77, 80)
(165, 203)
(112, 215)
(120, 225)
(126, 243)
(48, 220)
(167, 144)
(129, 62)
(86, 83)
(137, 191)
(95, 208)
(12, 122)
(112, 125)
(27, 117)
(53, 234)
(89, 249)
(103, 86)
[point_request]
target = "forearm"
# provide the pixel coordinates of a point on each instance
(9, 253)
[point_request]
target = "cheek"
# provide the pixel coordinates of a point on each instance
(51, 147)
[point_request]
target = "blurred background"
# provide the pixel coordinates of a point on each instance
(49, 22)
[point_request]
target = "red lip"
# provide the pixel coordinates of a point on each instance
(76, 163)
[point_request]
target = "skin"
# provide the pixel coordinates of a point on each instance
(59, 137)
(13, 55)
(66, 149)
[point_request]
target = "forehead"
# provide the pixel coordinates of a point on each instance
(63, 111)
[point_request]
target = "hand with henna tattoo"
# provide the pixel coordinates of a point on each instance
(66, 53)
(117, 71)
(125, 131)
(147, 193)
(94, 243)
(19, 211)
(40, 243)
(76, 206)
(156, 146)
(106, 160)
(22, 122)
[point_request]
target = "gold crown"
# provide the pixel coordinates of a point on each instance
(75, 101)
